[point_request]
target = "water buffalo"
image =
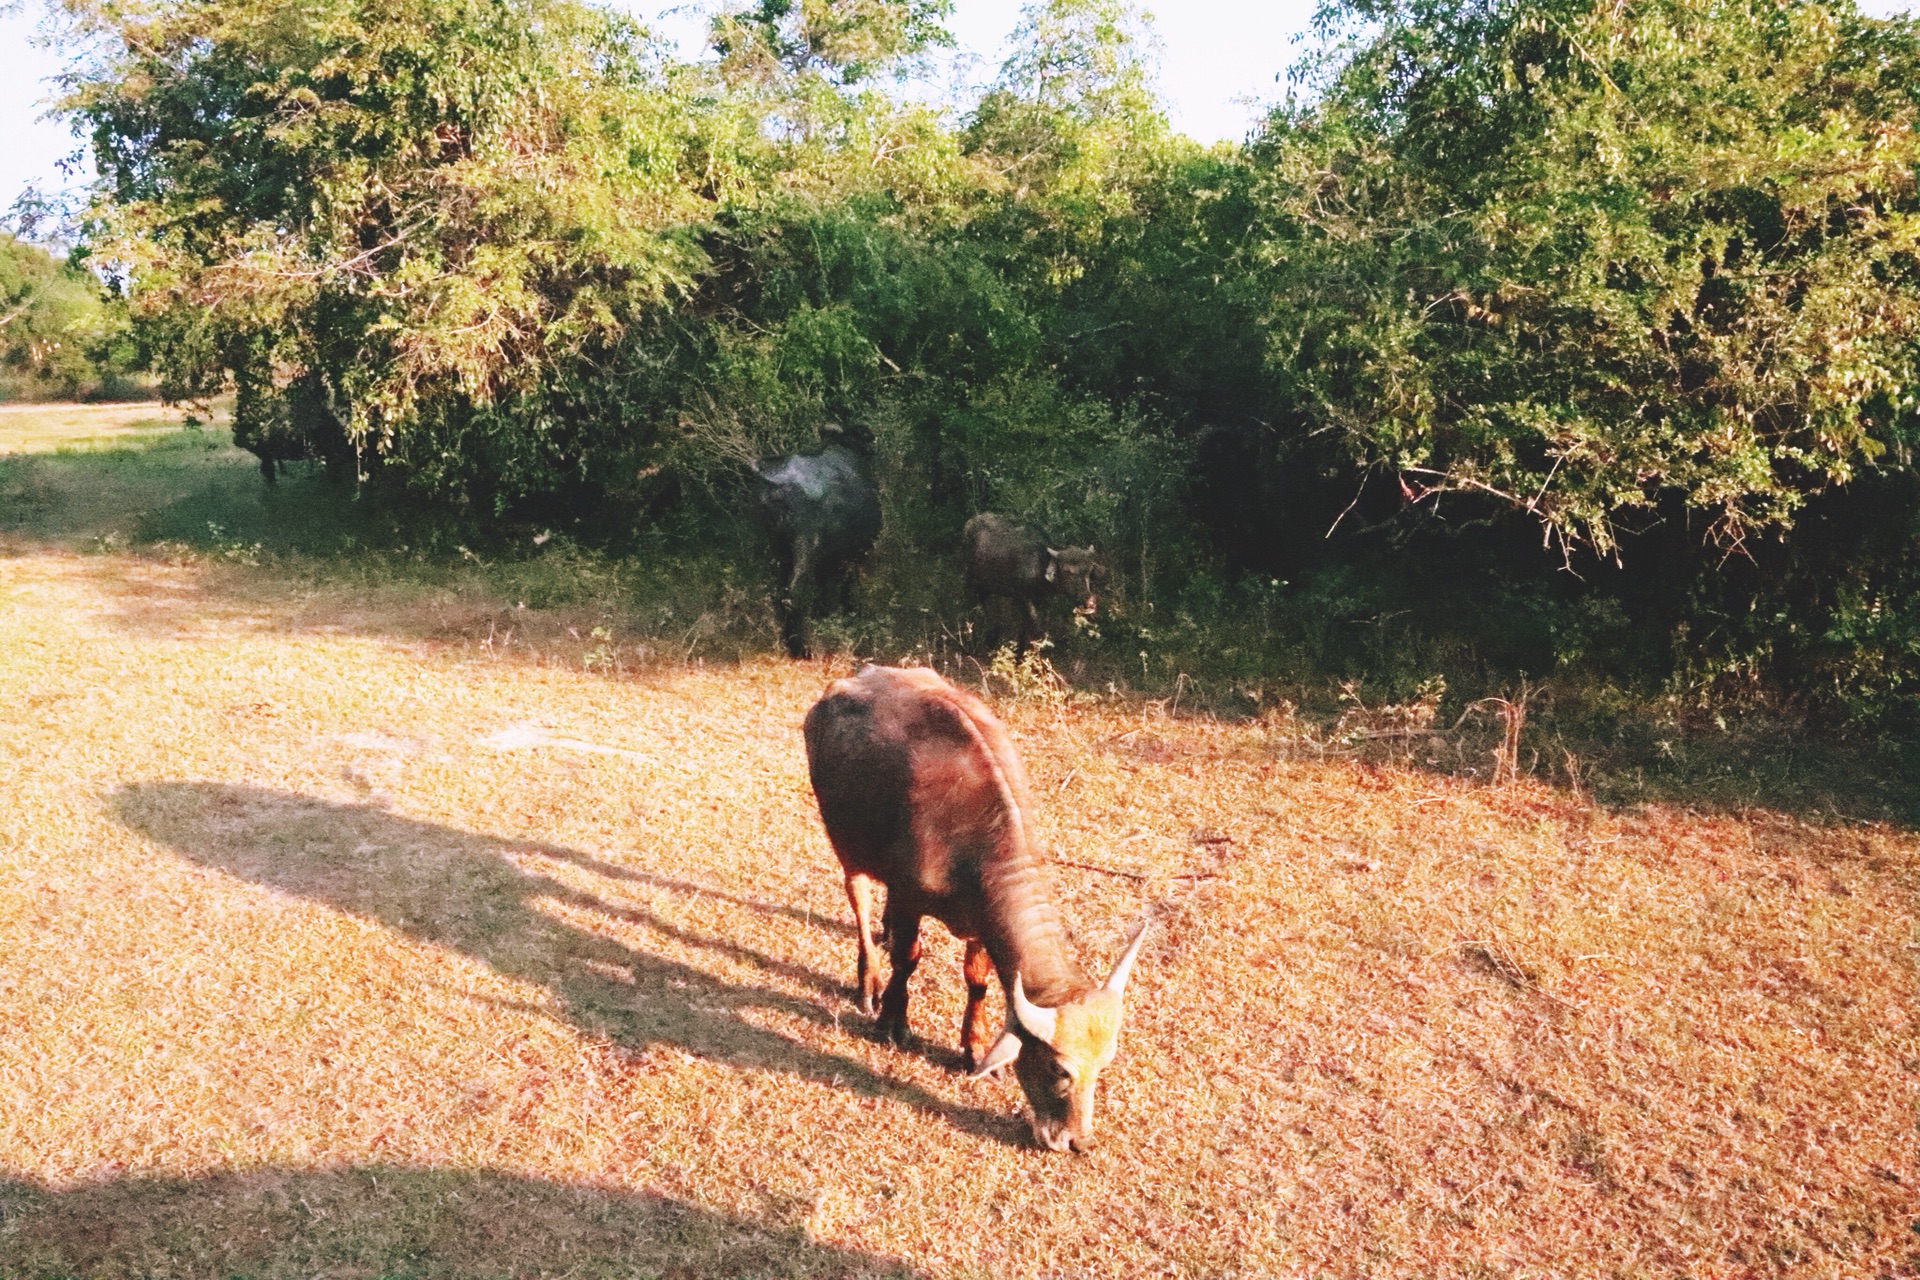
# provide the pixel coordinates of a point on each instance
(298, 423)
(921, 791)
(820, 515)
(1006, 560)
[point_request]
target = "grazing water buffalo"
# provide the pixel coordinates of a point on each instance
(921, 792)
(820, 515)
(1006, 560)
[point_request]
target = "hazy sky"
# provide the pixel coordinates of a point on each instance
(1217, 58)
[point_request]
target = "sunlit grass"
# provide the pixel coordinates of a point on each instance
(67, 428)
(307, 969)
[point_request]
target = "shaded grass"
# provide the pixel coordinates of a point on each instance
(73, 496)
(190, 496)
(524, 909)
(395, 1222)
(376, 563)
(370, 559)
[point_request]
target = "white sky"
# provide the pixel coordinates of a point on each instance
(1218, 58)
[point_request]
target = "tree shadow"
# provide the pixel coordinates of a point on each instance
(192, 487)
(478, 894)
(394, 1221)
(1614, 759)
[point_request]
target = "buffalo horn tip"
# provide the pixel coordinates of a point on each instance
(1117, 980)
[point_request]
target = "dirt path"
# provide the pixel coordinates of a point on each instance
(334, 942)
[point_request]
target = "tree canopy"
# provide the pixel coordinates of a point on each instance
(60, 334)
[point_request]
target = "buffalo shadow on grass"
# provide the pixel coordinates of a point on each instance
(693, 888)
(396, 1221)
(455, 889)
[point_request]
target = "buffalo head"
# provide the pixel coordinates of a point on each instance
(1075, 573)
(1058, 1053)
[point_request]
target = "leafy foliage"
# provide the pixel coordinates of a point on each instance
(842, 41)
(428, 212)
(1583, 255)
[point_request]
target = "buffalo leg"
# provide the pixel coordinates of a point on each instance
(975, 1034)
(847, 579)
(792, 636)
(860, 894)
(800, 599)
(792, 612)
(995, 617)
(903, 942)
(791, 631)
(1029, 618)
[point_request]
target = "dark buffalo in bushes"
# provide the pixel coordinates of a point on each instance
(820, 515)
(1005, 560)
(297, 424)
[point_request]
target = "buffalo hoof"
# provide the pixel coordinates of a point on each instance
(870, 1000)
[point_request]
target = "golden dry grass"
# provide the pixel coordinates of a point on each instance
(308, 969)
(51, 428)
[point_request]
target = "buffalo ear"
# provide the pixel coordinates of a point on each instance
(1004, 1050)
(1052, 572)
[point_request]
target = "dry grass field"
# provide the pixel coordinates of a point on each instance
(352, 929)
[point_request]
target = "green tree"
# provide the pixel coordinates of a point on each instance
(843, 41)
(1627, 270)
(1584, 256)
(427, 215)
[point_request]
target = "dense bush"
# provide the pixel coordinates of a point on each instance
(1638, 283)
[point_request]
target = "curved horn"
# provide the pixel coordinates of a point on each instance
(1052, 572)
(1117, 980)
(1038, 1022)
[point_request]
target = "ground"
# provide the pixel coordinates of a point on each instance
(362, 924)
